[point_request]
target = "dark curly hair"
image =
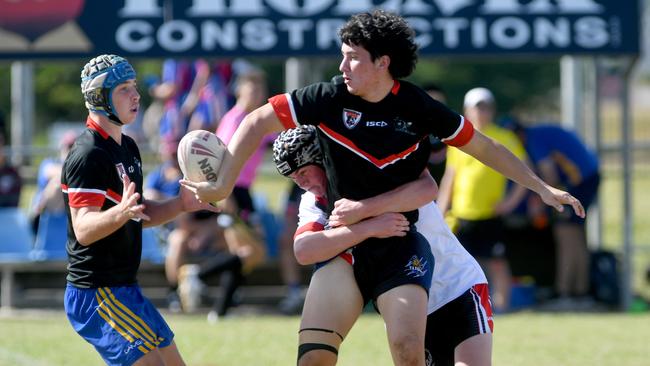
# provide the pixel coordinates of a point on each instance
(383, 33)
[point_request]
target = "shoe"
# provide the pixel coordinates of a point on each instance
(213, 317)
(291, 304)
(173, 302)
(190, 287)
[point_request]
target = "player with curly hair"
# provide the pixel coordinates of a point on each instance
(458, 324)
(102, 190)
(373, 128)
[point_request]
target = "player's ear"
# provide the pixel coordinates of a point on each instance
(383, 62)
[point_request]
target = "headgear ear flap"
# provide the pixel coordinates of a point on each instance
(296, 148)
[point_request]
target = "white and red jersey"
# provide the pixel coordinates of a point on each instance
(455, 270)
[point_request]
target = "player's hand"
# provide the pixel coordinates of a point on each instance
(129, 206)
(191, 202)
(346, 212)
(388, 225)
(206, 191)
(557, 198)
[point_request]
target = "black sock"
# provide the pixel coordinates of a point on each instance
(219, 263)
(230, 281)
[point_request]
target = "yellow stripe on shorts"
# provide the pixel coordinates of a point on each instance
(118, 328)
(145, 327)
(117, 318)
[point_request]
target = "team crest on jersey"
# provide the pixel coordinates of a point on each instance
(351, 118)
(120, 170)
(416, 267)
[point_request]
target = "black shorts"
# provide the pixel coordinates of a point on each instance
(383, 264)
(482, 238)
(460, 319)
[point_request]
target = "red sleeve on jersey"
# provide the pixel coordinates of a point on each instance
(114, 196)
(462, 135)
(85, 199)
(311, 226)
(280, 104)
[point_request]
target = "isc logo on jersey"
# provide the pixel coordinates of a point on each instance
(376, 124)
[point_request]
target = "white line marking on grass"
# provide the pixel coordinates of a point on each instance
(19, 359)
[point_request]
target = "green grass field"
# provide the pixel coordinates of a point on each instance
(520, 339)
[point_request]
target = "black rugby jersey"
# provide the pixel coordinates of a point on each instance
(371, 148)
(92, 176)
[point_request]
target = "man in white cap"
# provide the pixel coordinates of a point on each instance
(475, 197)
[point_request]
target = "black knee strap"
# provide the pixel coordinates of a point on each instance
(306, 347)
(323, 330)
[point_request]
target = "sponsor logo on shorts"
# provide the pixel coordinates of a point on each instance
(133, 345)
(416, 267)
(428, 358)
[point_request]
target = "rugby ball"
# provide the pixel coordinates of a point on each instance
(200, 154)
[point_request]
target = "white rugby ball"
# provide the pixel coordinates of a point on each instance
(200, 154)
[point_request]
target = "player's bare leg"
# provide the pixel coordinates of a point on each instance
(171, 355)
(332, 305)
(167, 356)
(474, 351)
(404, 310)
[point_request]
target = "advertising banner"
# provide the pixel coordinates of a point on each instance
(227, 28)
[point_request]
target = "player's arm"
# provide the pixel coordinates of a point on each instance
(496, 156)
(244, 142)
(446, 188)
(162, 211)
(317, 246)
(407, 197)
(90, 224)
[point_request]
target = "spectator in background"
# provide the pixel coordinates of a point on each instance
(438, 156)
(289, 267)
(564, 161)
(250, 93)
(10, 181)
(475, 197)
(200, 244)
(160, 93)
(239, 251)
(187, 80)
(48, 195)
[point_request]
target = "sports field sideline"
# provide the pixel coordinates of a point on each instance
(526, 338)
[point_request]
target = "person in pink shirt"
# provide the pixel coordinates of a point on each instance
(251, 93)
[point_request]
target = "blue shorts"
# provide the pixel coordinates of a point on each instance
(119, 322)
(383, 264)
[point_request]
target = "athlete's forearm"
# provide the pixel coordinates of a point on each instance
(407, 197)
(317, 246)
(163, 211)
(90, 224)
(499, 158)
(244, 142)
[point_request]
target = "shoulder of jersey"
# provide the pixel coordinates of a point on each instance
(337, 80)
